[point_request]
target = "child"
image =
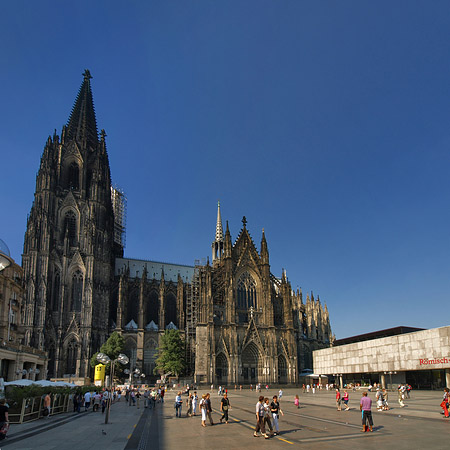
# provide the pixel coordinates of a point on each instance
(297, 401)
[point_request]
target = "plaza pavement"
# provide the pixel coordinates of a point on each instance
(316, 425)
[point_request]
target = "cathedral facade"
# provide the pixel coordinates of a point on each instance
(241, 323)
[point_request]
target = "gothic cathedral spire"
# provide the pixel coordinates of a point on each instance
(217, 245)
(82, 124)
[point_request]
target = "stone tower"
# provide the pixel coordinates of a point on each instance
(69, 248)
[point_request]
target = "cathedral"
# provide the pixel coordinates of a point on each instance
(240, 322)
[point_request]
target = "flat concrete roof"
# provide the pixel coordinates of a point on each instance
(377, 334)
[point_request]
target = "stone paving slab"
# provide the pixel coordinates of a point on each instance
(83, 431)
(316, 424)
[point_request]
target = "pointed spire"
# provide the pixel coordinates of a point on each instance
(264, 249)
(82, 125)
(227, 244)
(219, 229)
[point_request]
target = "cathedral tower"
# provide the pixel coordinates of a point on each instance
(69, 247)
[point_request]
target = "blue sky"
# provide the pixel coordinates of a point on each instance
(326, 123)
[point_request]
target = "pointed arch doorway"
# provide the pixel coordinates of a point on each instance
(221, 369)
(250, 362)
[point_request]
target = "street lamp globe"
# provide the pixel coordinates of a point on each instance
(123, 359)
(103, 358)
(5, 256)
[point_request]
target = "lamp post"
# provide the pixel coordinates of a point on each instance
(105, 359)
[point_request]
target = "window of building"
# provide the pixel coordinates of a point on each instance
(77, 291)
(70, 227)
(72, 350)
(73, 177)
(246, 292)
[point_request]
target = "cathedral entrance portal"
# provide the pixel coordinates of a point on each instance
(221, 369)
(250, 360)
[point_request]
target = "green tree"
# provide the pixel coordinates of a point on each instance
(171, 354)
(112, 347)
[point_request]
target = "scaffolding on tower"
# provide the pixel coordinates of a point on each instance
(119, 204)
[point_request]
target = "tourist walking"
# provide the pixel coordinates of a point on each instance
(366, 408)
(178, 404)
(385, 400)
(209, 408)
(194, 403)
(280, 394)
(47, 403)
(297, 402)
(267, 415)
(380, 399)
(445, 402)
(345, 400)
(224, 407)
(203, 409)
(189, 405)
(276, 411)
(260, 412)
(97, 398)
(338, 399)
(400, 396)
(87, 400)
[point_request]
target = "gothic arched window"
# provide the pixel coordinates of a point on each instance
(72, 350)
(171, 309)
(77, 291)
(73, 177)
(70, 227)
(246, 291)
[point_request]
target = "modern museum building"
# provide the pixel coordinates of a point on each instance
(390, 357)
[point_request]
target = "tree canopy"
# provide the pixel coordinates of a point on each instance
(112, 347)
(171, 353)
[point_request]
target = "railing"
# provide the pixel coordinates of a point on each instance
(32, 408)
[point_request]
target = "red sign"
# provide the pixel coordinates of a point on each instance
(427, 361)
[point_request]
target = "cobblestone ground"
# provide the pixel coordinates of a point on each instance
(316, 424)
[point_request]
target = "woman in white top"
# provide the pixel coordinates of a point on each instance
(203, 409)
(194, 403)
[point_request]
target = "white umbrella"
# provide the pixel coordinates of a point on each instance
(19, 383)
(44, 383)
